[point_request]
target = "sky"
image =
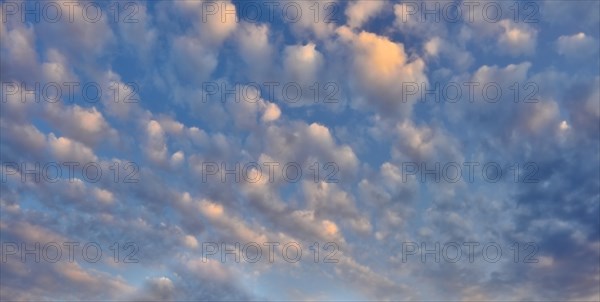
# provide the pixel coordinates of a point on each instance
(300, 150)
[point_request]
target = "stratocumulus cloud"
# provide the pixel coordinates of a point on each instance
(300, 150)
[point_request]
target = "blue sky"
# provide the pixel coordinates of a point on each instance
(478, 132)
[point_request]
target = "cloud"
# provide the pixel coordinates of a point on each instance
(104, 196)
(424, 143)
(152, 119)
(272, 113)
(577, 46)
(85, 37)
(23, 137)
(437, 47)
(156, 148)
(378, 63)
(83, 124)
(19, 46)
(192, 59)
(360, 12)
(66, 149)
(303, 144)
(310, 19)
(54, 279)
(329, 201)
(302, 62)
(254, 47)
(517, 39)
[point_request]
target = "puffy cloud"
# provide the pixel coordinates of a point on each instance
(424, 143)
(437, 47)
(219, 26)
(54, 279)
(272, 113)
(433, 46)
(361, 11)
(161, 288)
(24, 137)
(378, 65)
(329, 201)
(314, 228)
(517, 39)
(120, 99)
(246, 111)
(583, 107)
(190, 241)
(539, 116)
(139, 35)
(305, 144)
(86, 37)
(18, 44)
(83, 124)
(171, 126)
(104, 196)
(577, 46)
(193, 60)
(410, 21)
(177, 158)
(57, 69)
(255, 48)
(156, 147)
(302, 63)
(66, 149)
(311, 18)
(215, 27)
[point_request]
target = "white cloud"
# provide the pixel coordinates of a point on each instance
(156, 147)
(517, 39)
(19, 45)
(66, 149)
(539, 116)
(272, 113)
(411, 22)
(254, 46)
(190, 241)
(215, 27)
(81, 39)
(304, 144)
(57, 69)
(361, 11)
(86, 125)
(578, 45)
(104, 196)
(192, 58)
(302, 62)
(314, 18)
(25, 136)
(421, 143)
(119, 99)
(437, 47)
(378, 64)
